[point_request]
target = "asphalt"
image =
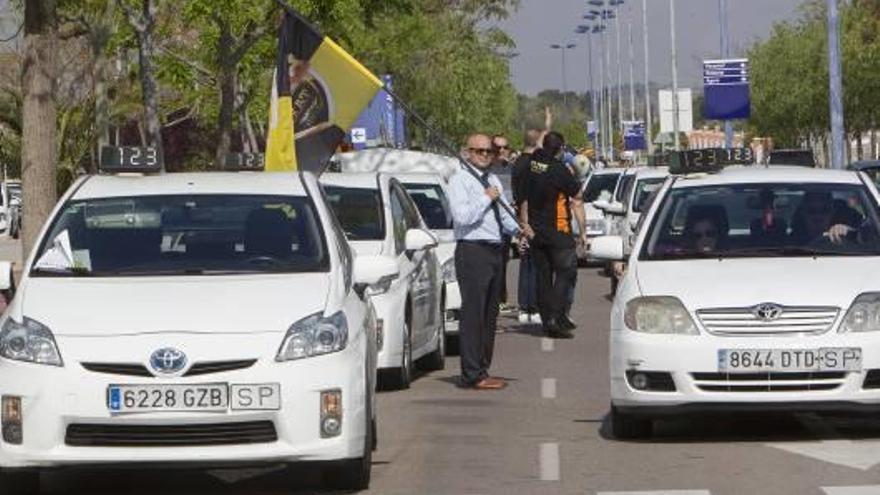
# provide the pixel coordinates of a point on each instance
(548, 433)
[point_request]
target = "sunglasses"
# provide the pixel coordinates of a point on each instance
(505, 147)
(482, 151)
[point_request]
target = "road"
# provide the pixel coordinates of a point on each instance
(547, 433)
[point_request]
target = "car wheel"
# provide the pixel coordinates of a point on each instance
(20, 482)
(400, 378)
(627, 427)
(436, 361)
(355, 474)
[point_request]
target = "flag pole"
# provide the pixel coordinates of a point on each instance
(466, 165)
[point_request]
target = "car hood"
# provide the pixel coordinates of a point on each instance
(747, 282)
(207, 304)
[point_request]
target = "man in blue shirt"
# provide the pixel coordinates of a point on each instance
(479, 222)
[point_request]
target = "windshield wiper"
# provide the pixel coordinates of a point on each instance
(790, 251)
(62, 272)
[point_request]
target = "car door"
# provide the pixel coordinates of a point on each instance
(397, 230)
(424, 277)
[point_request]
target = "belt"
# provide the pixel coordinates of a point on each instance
(491, 244)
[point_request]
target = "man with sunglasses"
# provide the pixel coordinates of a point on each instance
(479, 223)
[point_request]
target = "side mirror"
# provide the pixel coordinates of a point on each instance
(419, 240)
(601, 204)
(375, 273)
(607, 247)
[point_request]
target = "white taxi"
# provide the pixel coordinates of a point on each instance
(380, 219)
(216, 318)
(749, 289)
(428, 192)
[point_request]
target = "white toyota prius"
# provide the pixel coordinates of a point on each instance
(214, 317)
(750, 289)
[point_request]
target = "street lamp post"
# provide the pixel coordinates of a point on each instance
(563, 47)
(835, 83)
(648, 119)
(725, 53)
(675, 123)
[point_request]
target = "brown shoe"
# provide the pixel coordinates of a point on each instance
(490, 383)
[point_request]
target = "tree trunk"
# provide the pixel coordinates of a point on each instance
(873, 131)
(38, 153)
(227, 81)
(146, 55)
(860, 150)
(249, 137)
(100, 38)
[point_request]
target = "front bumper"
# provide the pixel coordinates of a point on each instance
(692, 364)
(54, 398)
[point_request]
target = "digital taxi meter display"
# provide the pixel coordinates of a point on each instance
(708, 160)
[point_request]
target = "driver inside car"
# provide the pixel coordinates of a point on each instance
(706, 228)
(819, 218)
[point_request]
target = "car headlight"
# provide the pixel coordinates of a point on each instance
(29, 341)
(314, 335)
(659, 315)
(863, 315)
(449, 275)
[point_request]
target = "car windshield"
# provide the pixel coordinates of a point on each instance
(599, 186)
(432, 204)
(764, 220)
(184, 235)
(645, 188)
(359, 212)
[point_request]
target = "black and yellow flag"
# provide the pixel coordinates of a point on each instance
(318, 92)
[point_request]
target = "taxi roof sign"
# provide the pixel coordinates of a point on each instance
(244, 162)
(128, 159)
(708, 160)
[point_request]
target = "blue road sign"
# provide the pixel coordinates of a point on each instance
(726, 89)
(634, 135)
(382, 123)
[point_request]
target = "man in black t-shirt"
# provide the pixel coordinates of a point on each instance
(550, 189)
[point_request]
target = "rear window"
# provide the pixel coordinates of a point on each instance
(359, 212)
(184, 235)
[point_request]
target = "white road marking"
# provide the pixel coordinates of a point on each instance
(547, 345)
(548, 388)
(852, 490)
(549, 461)
(855, 454)
(661, 492)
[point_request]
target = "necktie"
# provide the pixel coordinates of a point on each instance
(484, 178)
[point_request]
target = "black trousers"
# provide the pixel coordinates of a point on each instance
(505, 259)
(478, 268)
(557, 274)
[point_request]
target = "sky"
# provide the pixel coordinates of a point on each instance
(539, 23)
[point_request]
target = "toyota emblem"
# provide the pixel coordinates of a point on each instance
(767, 311)
(168, 361)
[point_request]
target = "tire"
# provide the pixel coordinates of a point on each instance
(20, 482)
(355, 474)
(400, 378)
(436, 361)
(628, 427)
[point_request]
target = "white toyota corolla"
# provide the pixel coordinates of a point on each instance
(211, 318)
(751, 289)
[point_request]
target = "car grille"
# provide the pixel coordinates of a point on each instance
(202, 368)
(103, 435)
(769, 382)
(791, 321)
